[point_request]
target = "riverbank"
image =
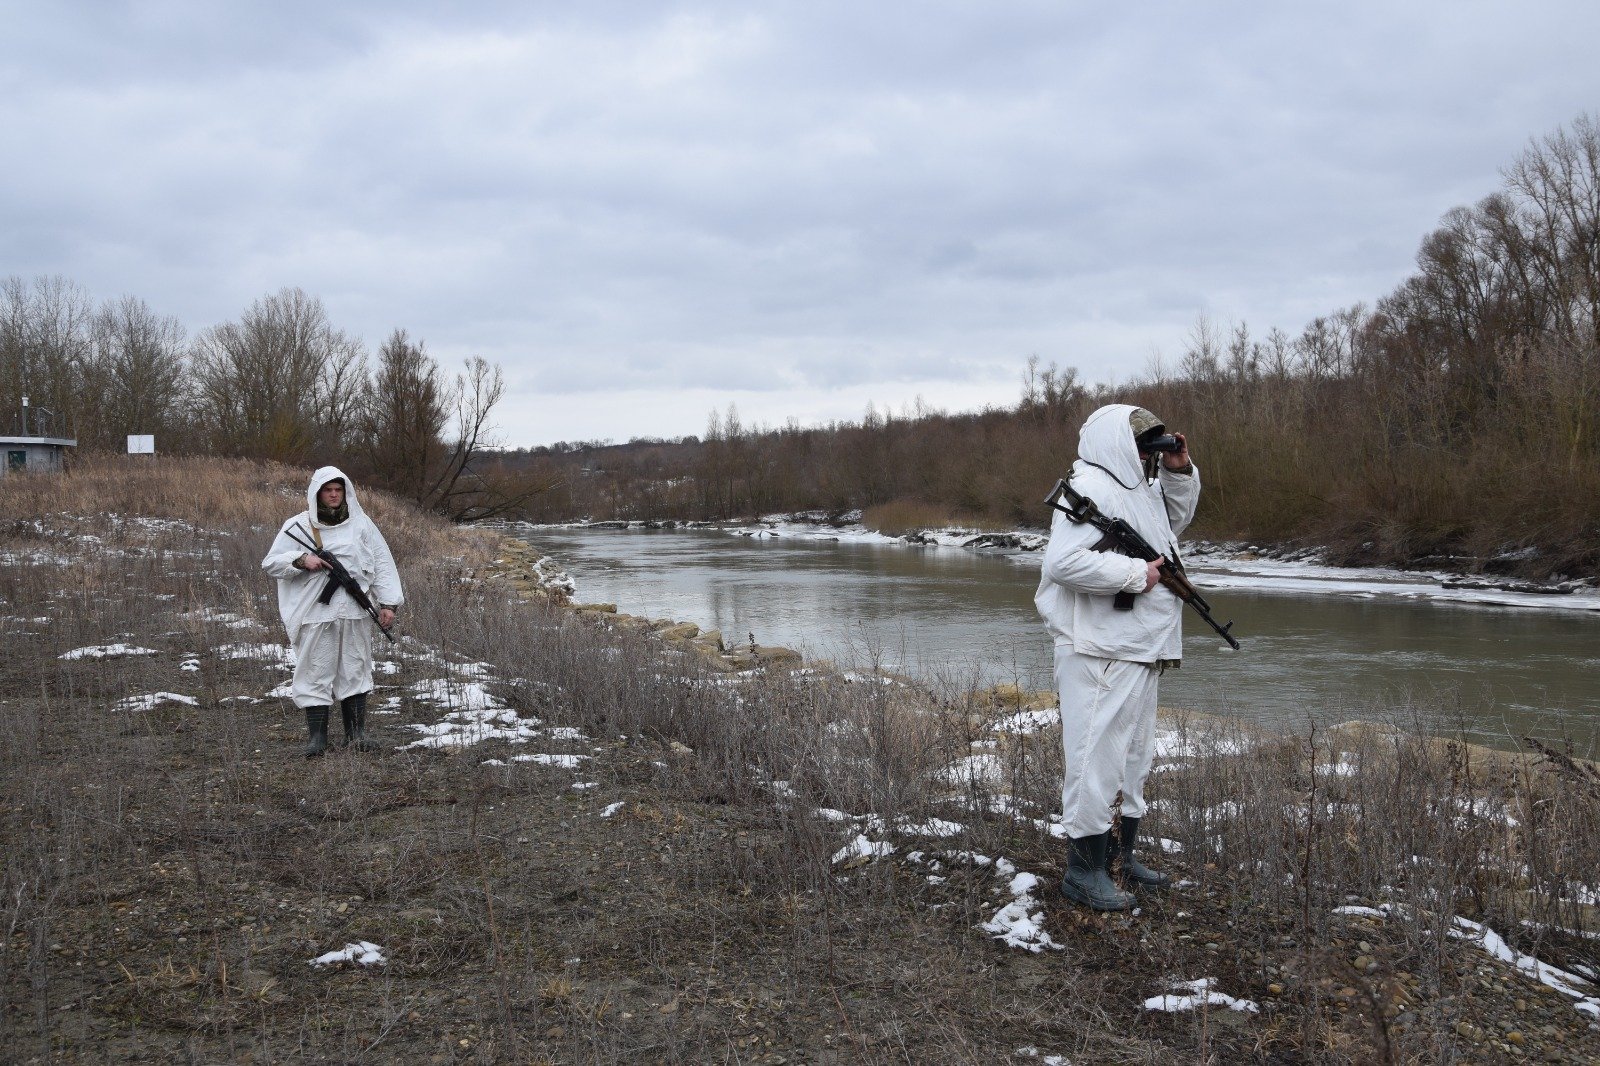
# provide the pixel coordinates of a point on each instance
(584, 843)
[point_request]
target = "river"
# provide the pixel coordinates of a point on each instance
(1317, 644)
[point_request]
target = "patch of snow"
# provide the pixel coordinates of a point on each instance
(932, 827)
(612, 808)
(463, 695)
(226, 618)
(863, 848)
(461, 729)
(272, 653)
(1227, 809)
(1193, 742)
(362, 953)
(154, 699)
(1187, 995)
(1567, 983)
(1020, 923)
(583, 786)
(565, 762)
(106, 651)
(972, 770)
(1025, 723)
(1563, 981)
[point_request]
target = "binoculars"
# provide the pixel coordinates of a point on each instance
(1166, 443)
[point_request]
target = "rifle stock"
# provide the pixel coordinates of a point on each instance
(1080, 509)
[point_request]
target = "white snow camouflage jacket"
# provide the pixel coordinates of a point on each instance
(1077, 586)
(356, 542)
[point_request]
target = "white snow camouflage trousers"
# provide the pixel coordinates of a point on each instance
(332, 660)
(1108, 732)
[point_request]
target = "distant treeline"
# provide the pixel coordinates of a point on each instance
(1456, 417)
(278, 383)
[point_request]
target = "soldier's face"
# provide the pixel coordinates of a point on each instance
(331, 495)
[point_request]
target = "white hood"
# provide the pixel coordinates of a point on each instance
(1106, 441)
(1108, 471)
(324, 475)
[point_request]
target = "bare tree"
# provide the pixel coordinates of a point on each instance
(281, 383)
(135, 374)
(44, 346)
(402, 427)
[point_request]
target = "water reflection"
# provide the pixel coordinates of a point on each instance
(1498, 672)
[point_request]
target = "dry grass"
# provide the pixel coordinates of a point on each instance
(899, 517)
(168, 872)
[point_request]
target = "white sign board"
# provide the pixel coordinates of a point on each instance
(141, 444)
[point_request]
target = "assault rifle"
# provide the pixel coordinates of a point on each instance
(339, 578)
(1124, 538)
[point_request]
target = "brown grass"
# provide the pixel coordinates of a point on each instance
(899, 517)
(166, 874)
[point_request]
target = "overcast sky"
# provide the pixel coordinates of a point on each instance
(644, 211)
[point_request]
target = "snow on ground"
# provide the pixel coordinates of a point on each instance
(1192, 742)
(930, 827)
(106, 651)
(281, 654)
(1020, 923)
(1187, 995)
(1568, 984)
(461, 729)
(862, 848)
(1031, 1052)
(973, 770)
(362, 953)
(566, 762)
(221, 617)
(154, 699)
(1026, 723)
(612, 808)
(1585, 992)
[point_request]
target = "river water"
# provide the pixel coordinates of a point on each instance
(1316, 645)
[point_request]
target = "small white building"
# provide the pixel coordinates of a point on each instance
(33, 455)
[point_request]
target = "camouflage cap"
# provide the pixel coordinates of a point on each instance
(1145, 424)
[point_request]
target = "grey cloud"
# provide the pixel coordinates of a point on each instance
(799, 199)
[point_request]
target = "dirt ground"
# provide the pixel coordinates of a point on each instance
(521, 923)
(648, 890)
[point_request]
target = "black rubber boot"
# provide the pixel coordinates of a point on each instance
(1087, 881)
(354, 711)
(1135, 874)
(317, 731)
